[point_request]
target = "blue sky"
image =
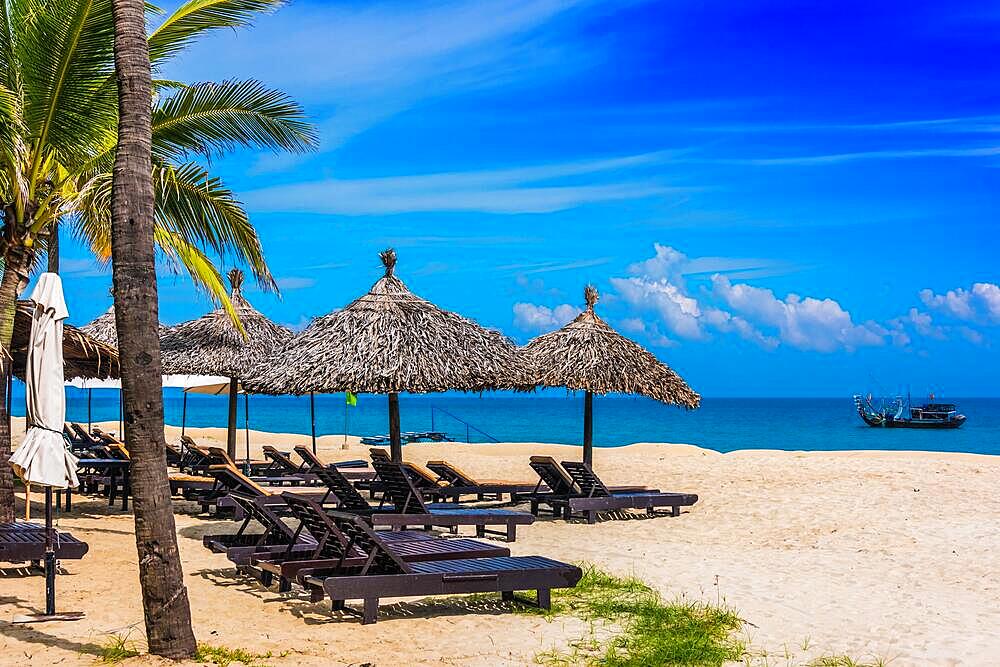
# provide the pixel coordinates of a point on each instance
(776, 198)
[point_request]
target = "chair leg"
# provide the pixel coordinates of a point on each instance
(266, 578)
(480, 531)
(284, 585)
(512, 532)
(675, 510)
(534, 507)
(544, 598)
(338, 605)
(591, 516)
(370, 611)
(316, 594)
(507, 596)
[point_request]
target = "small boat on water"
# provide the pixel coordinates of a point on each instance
(900, 413)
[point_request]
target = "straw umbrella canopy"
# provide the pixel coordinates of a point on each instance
(213, 345)
(104, 329)
(83, 355)
(391, 341)
(587, 354)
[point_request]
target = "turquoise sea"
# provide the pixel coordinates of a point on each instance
(722, 424)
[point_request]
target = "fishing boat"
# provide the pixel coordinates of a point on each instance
(900, 413)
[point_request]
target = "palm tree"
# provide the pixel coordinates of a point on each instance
(58, 132)
(164, 596)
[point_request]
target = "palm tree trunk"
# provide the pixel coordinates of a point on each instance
(17, 264)
(164, 596)
(53, 247)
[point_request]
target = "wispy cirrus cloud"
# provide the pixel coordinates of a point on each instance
(526, 189)
(357, 65)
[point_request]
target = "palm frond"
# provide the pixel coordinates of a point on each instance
(204, 274)
(65, 53)
(211, 118)
(199, 207)
(197, 17)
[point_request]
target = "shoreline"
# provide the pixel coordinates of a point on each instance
(330, 442)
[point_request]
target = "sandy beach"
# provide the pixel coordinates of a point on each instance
(874, 555)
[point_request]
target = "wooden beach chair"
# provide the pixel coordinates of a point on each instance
(407, 501)
(262, 472)
(23, 541)
(581, 493)
(385, 574)
(332, 550)
(227, 478)
(495, 488)
(404, 506)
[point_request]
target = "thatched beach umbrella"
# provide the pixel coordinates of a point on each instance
(391, 341)
(587, 354)
(213, 345)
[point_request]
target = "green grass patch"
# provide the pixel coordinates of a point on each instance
(223, 656)
(645, 629)
(116, 648)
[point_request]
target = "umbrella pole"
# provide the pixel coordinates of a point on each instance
(588, 429)
(184, 415)
(312, 418)
(395, 441)
(50, 557)
(90, 419)
(246, 424)
(231, 429)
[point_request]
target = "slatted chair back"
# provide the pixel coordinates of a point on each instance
(422, 477)
(341, 536)
(450, 473)
(590, 484)
(379, 454)
(350, 498)
(281, 460)
(274, 528)
(230, 478)
(84, 436)
(399, 488)
(557, 479)
(114, 446)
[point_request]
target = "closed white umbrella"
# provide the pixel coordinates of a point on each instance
(42, 458)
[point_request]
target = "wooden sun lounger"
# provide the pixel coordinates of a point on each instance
(227, 479)
(582, 493)
(22, 541)
(261, 472)
(385, 574)
(354, 470)
(332, 549)
(495, 488)
(411, 510)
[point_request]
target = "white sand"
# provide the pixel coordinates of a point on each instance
(892, 555)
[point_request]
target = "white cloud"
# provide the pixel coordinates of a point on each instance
(980, 303)
(525, 189)
(539, 319)
(806, 323)
(680, 312)
(289, 283)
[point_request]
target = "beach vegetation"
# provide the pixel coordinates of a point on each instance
(117, 647)
(223, 656)
(644, 628)
(58, 133)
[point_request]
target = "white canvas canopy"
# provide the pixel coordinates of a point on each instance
(42, 458)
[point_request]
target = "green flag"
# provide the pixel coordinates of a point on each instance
(350, 399)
